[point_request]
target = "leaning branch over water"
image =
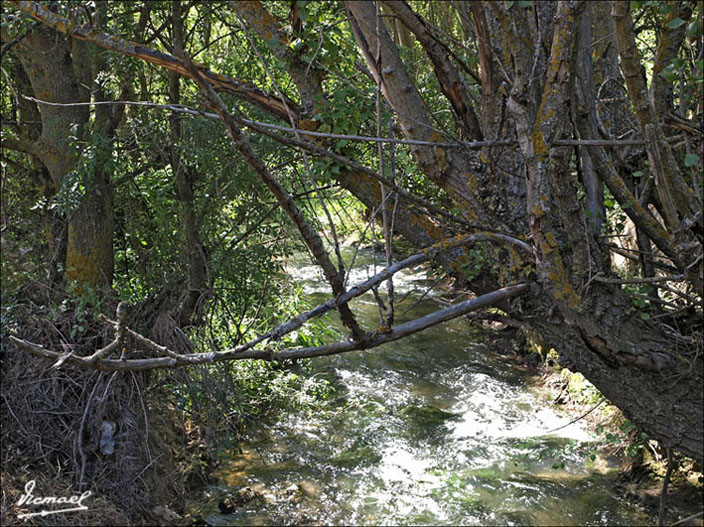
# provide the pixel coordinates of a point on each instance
(166, 358)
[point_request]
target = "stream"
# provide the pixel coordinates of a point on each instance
(434, 429)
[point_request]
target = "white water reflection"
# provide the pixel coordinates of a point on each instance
(492, 409)
(429, 430)
(310, 276)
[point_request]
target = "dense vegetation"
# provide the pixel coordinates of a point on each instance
(164, 154)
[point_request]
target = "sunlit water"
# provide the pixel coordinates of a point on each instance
(433, 429)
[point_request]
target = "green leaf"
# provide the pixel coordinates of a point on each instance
(303, 10)
(297, 45)
(691, 160)
(609, 203)
(694, 29)
(645, 316)
(669, 73)
(675, 23)
(637, 173)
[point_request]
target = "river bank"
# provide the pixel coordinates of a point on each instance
(437, 429)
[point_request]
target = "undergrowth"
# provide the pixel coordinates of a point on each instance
(164, 425)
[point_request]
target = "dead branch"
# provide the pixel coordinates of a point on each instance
(647, 280)
(369, 340)
(472, 145)
(296, 322)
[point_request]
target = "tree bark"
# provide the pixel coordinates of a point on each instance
(50, 62)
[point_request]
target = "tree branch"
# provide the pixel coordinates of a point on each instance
(26, 147)
(286, 202)
(261, 128)
(220, 82)
(370, 341)
(647, 280)
(7, 47)
(471, 145)
(451, 83)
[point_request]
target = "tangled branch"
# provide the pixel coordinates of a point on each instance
(163, 357)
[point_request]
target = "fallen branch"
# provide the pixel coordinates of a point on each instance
(684, 520)
(647, 280)
(359, 289)
(297, 322)
(370, 340)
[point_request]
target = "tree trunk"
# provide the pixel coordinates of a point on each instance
(77, 152)
(56, 66)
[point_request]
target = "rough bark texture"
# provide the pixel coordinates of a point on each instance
(54, 67)
(451, 83)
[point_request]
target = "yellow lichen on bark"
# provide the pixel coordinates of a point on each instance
(431, 228)
(539, 147)
(560, 285)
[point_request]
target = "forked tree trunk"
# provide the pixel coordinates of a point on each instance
(652, 377)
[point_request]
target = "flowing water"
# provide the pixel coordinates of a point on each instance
(433, 429)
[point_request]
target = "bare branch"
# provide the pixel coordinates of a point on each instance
(261, 128)
(472, 145)
(286, 202)
(371, 340)
(25, 147)
(647, 280)
(6, 47)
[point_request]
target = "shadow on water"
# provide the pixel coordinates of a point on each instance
(432, 429)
